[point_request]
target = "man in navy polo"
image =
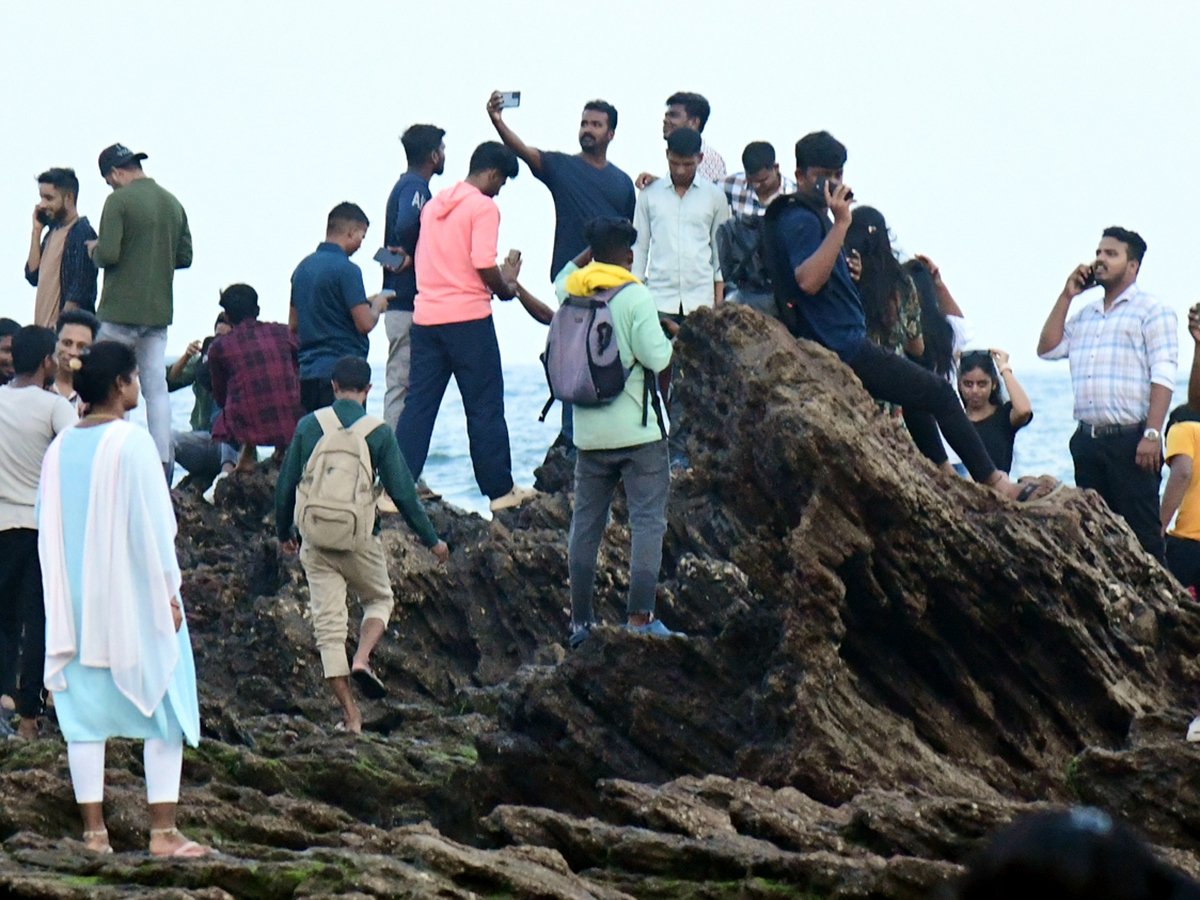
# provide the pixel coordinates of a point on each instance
(331, 312)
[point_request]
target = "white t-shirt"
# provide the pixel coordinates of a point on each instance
(30, 418)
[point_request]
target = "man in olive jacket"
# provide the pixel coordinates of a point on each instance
(143, 239)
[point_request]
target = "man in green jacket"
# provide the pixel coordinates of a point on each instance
(613, 443)
(363, 570)
(143, 239)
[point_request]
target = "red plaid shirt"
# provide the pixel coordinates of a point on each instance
(256, 383)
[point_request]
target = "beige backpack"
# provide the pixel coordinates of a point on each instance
(335, 501)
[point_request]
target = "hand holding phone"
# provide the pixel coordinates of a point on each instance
(389, 259)
(510, 99)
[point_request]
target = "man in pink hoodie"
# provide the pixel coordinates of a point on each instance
(452, 332)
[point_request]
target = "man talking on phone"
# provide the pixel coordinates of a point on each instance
(330, 310)
(1124, 349)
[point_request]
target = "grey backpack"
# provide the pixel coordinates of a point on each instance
(582, 359)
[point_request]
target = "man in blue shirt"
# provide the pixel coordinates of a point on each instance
(584, 186)
(426, 152)
(819, 301)
(330, 311)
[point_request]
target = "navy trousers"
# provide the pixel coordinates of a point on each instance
(468, 351)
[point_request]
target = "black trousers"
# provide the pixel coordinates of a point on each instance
(22, 620)
(1183, 559)
(315, 393)
(928, 402)
(1108, 465)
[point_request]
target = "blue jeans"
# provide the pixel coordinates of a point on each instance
(469, 352)
(149, 344)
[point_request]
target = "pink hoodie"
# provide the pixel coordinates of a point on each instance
(459, 228)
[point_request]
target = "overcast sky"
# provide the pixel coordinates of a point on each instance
(999, 139)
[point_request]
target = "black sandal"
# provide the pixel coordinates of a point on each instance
(368, 682)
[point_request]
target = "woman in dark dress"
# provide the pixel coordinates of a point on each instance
(979, 376)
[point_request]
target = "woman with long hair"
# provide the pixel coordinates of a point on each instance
(980, 373)
(890, 301)
(118, 656)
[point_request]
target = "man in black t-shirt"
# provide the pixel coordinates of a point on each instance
(584, 186)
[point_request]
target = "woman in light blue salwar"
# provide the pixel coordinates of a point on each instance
(118, 656)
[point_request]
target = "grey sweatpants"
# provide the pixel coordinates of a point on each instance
(646, 472)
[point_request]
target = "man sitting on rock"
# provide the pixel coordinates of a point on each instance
(818, 300)
(619, 441)
(363, 567)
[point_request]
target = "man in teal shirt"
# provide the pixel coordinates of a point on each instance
(363, 570)
(144, 238)
(613, 443)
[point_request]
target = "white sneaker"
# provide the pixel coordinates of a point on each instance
(210, 496)
(515, 497)
(1193, 732)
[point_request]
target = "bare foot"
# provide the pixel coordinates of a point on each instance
(172, 842)
(352, 721)
(28, 728)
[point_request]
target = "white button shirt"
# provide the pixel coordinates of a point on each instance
(1116, 355)
(675, 255)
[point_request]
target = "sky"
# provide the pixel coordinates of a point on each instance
(998, 139)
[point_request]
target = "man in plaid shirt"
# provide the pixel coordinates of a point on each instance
(751, 191)
(1123, 350)
(255, 379)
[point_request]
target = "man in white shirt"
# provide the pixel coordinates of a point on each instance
(30, 418)
(1124, 350)
(675, 254)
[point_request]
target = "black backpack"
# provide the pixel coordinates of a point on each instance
(743, 255)
(788, 314)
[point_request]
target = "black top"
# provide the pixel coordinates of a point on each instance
(997, 433)
(582, 192)
(402, 227)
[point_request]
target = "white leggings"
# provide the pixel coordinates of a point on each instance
(163, 761)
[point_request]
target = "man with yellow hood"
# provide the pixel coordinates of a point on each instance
(618, 441)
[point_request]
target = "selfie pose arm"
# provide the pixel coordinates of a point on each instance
(531, 155)
(812, 274)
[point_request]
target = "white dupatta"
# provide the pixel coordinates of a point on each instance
(130, 571)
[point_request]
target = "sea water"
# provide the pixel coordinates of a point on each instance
(1041, 447)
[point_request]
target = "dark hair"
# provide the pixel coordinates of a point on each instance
(684, 142)
(222, 319)
(62, 180)
(494, 155)
(757, 156)
(1181, 413)
(9, 327)
(609, 238)
(79, 317)
(882, 280)
(1135, 246)
(101, 365)
(1077, 853)
(420, 141)
(240, 302)
(345, 216)
(820, 149)
(30, 347)
(694, 105)
(607, 108)
(351, 373)
(936, 328)
(982, 360)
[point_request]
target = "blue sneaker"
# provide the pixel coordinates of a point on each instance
(579, 634)
(654, 628)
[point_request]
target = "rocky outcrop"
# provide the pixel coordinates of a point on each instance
(883, 665)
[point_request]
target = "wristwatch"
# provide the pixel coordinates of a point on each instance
(1151, 434)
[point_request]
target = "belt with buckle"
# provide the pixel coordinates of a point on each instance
(1106, 431)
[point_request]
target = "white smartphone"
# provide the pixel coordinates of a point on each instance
(510, 99)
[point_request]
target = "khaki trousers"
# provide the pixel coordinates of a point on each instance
(330, 574)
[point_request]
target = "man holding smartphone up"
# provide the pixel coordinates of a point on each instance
(1124, 350)
(426, 152)
(330, 310)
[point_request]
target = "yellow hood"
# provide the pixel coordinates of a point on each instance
(596, 277)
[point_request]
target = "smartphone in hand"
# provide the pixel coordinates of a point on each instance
(510, 99)
(386, 257)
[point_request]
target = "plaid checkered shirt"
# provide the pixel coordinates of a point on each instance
(1116, 355)
(256, 382)
(742, 199)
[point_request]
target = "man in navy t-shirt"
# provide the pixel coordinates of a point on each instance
(584, 186)
(426, 152)
(330, 310)
(819, 301)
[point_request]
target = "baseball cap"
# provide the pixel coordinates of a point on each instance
(116, 156)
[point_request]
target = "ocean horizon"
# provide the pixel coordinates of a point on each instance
(1041, 447)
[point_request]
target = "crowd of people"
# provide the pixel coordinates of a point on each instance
(90, 608)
